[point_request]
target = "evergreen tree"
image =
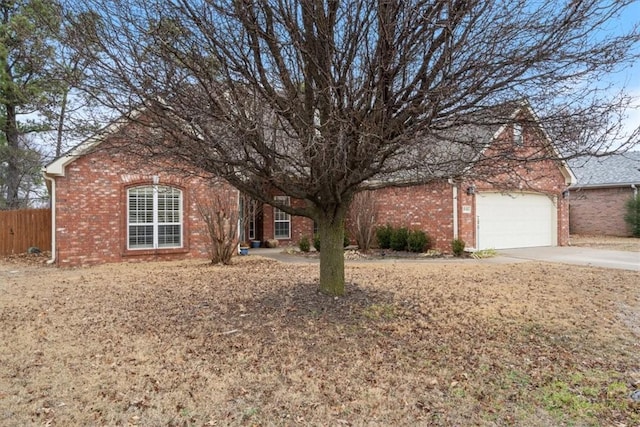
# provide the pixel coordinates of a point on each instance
(28, 29)
(632, 217)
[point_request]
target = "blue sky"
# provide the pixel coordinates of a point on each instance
(630, 77)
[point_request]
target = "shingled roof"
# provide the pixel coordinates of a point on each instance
(616, 170)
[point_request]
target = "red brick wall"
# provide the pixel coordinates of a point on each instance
(91, 216)
(466, 221)
(425, 207)
(599, 211)
(300, 226)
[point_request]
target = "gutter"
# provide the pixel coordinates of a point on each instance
(613, 185)
(52, 194)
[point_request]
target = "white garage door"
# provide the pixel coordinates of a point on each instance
(515, 220)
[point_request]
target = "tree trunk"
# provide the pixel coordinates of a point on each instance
(13, 172)
(331, 230)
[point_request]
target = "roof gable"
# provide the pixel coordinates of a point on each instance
(461, 144)
(526, 109)
(58, 165)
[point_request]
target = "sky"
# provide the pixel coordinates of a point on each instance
(630, 78)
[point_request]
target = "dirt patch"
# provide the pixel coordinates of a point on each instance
(187, 343)
(631, 244)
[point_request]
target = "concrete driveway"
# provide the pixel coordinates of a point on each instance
(566, 254)
(578, 256)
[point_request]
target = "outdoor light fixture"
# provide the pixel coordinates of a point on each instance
(471, 190)
(565, 194)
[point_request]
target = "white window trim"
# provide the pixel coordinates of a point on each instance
(155, 223)
(283, 200)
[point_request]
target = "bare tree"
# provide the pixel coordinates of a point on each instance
(362, 219)
(322, 99)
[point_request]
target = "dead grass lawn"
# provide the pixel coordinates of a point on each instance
(631, 244)
(186, 343)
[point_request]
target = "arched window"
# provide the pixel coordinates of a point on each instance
(154, 217)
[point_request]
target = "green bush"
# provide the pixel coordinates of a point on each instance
(346, 241)
(383, 235)
(457, 246)
(304, 244)
(399, 238)
(418, 241)
(632, 216)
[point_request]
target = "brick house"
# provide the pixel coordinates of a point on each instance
(110, 206)
(604, 185)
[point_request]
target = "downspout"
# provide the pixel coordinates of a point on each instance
(454, 189)
(635, 191)
(240, 212)
(53, 217)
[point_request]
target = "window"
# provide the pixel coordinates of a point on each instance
(517, 134)
(154, 217)
(252, 227)
(281, 220)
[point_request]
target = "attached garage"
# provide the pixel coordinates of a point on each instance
(515, 220)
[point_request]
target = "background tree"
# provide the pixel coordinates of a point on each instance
(632, 215)
(29, 160)
(27, 28)
(320, 99)
(71, 114)
(40, 99)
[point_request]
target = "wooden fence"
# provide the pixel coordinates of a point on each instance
(22, 229)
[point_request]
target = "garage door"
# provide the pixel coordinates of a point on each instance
(515, 220)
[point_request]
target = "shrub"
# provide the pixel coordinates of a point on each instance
(346, 241)
(221, 220)
(383, 235)
(272, 243)
(632, 216)
(399, 238)
(418, 241)
(362, 219)
(304, 244)
(457, 246)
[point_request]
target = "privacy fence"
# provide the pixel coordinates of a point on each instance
(22, 229)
